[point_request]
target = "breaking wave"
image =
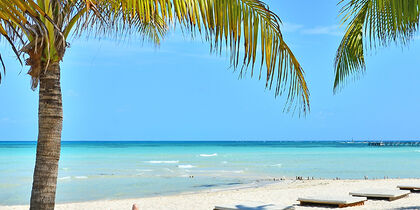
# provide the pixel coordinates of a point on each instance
(64, 178)
(162, 161)
(186, 166)
(208, 155)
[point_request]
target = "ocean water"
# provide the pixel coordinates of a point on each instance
(114, 170)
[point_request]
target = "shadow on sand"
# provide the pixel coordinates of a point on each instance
(243, 207)
(262, 207)
(408, 208)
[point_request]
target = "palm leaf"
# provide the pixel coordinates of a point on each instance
(372, 24)
(247, 29)
(20, 21)
(224, 24)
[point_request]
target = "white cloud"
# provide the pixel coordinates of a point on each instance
(72, 93)
(7, 120)
(291, 27)
(334, 30)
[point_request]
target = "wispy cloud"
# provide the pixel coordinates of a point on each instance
(324, 114)
(291, 27)
(333, 30)
(72, 93)
(7, 120)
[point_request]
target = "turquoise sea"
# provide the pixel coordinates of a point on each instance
(114, 170)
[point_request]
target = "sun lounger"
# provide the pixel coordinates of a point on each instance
(381, 194)
(335, 201)
(252, 206)
(412, 188)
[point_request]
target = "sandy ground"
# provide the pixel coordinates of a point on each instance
(283, 194)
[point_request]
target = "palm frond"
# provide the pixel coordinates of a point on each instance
(372, 24)
(121, 18)
(23, 25)
(3, 66)
(43, 29)
(225, 24)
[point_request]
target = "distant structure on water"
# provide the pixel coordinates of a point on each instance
(394, 143)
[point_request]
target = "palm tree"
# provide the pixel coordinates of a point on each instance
(40, 30)
(372, 24)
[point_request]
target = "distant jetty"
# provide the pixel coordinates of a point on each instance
(393, 143)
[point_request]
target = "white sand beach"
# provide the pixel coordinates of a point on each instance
(283, 193)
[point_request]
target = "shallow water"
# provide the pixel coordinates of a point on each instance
(113, 170)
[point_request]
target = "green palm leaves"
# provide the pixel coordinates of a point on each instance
(248, 23)
(246, 28)
(371, 24)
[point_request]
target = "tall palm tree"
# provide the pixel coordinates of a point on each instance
(40, 30)
(372, 24)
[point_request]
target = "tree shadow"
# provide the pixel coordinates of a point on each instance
(320, 205)
(408, 208)
(261, 207)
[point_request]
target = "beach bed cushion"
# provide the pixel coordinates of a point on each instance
(409, 187)
(252, 205)
(344, 201)
(381, 193)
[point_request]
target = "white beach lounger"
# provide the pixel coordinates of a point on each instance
(415, 188)
(341, 202)
(252, 206)
(381, 194)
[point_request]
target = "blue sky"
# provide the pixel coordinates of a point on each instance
(179, 91)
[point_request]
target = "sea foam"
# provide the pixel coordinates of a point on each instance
(81, 177)
(208, 155)
(236, 172)
(229, 171)
(220, 171)
(64, 178)
(162, 161)
(168, 169)
(186, 166)
(144, 170)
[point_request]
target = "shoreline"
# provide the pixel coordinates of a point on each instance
(281, 193)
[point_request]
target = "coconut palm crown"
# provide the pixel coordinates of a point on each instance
(41, 29)
(372, 24)
(38, 31)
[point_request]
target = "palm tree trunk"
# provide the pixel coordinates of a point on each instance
(50, 121)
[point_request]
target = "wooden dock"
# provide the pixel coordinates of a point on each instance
(393, 143)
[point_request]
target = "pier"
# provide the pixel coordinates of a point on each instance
(394, 143)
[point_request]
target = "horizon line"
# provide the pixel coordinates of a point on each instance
(319, 140)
